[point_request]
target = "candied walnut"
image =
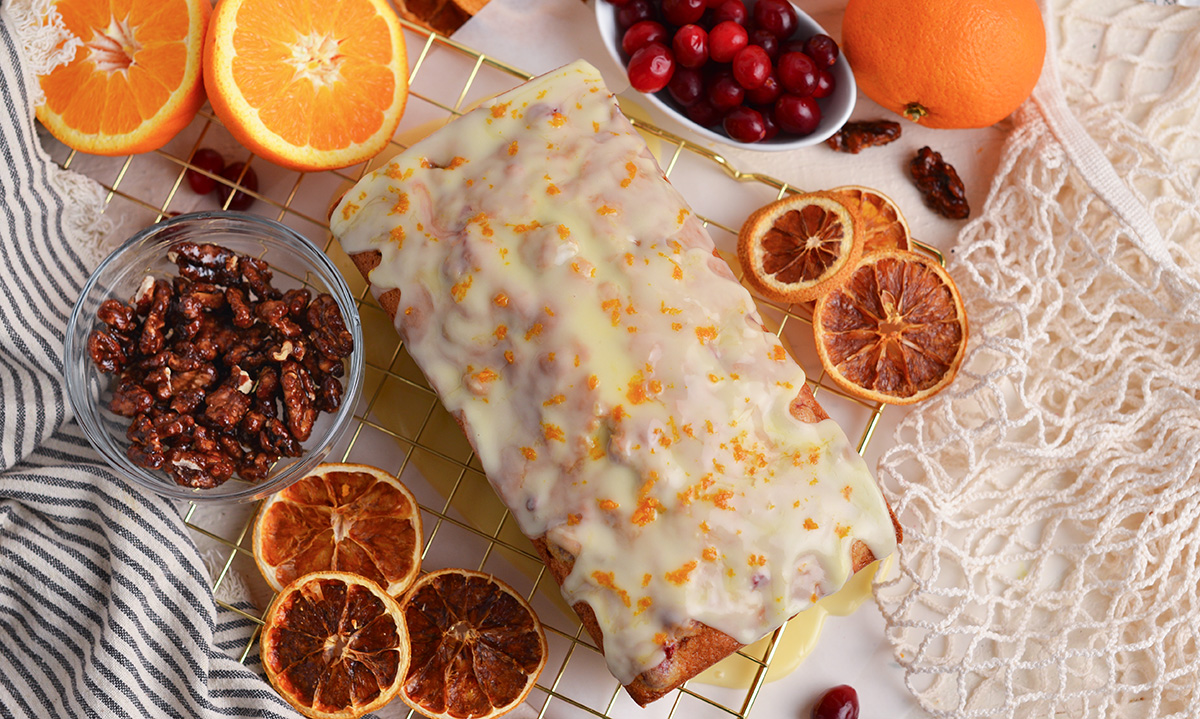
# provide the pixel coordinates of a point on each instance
(243, 315)
(185, 401)
(330, 335)
(275, 314)
(275, 437)
(152, 339)
(199, 300)
(258, 276)
(329, 394)
(143, 457)
(225, 407)
(206, 262)
(940, 185)
(254, 467)
(297, 302)
(116, 315)
(854, 137)
(203, 470)
(298, 394)
(106, 351)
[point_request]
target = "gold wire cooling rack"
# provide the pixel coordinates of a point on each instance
(399, 424)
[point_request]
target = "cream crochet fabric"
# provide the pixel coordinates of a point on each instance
(1051, 497)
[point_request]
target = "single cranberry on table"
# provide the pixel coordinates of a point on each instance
(633, 12)
(686, 86)
(247, 180)
(690, 45)
(797, 73)
(730, 11)
(826, 84)
(642, 34)
(822, 49)
(777, 17)
(651, 68)
(797, 115)
(683, 12)
(766, 93)
(744, 124)
(724, 92)
(725, 39)
(751, 67)
(840, 702)
(209, 160)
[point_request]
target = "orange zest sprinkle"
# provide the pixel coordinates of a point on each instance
(757, 560)
(841, 531)
(629, 259)
(669, 310)
(500, 110)
(564, 232)
(809, 524)
(677, 326)
(529, 452)
(401, 205)
(778, 353)
(427, 164)
(552, 189)
(487, 375)
(846, 492)
(710, 554)
(459, 290)
(660, 638)
(606, 210)
(397, 235)
(501, 331)
(608, 581)
(593, 381)
(393, 171)
(618, 413)
(708, 333)
(721, 498)
(642, 605)
(553, 432)
(679, 576)
(558, 119)
(556, 399)
(683, 213)
(677, 273)
(456, 162)
(509, 356)
(512, 148)
(646, 580)
(632, 170)
(533, 331)
(608, 505)
(501, 299)
(574, 518)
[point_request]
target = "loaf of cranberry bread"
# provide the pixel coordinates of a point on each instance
(662, 450)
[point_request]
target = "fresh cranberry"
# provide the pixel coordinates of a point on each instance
(633, 12)
(792, 45)
(686, 86)
(725, 39)
(825, 84)
(730, 11)
(690, 45)
(797, 73)
(744, 124)
(713, 4)
(641, 35)
(840, 702)
(766, 93)
(683, 12)
(769, 125)
(797, 115)
(777, 17)
(618, 3)
(247, 181)
(822, 49)
(703, 113)
(724, 92)
(768, 42)
(651, 67)
(209, 160)
(751, 66)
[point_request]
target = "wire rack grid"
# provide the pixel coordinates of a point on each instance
(399, 424)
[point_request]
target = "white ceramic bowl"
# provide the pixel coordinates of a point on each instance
(835, 109)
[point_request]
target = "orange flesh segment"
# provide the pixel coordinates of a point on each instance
(265, 72)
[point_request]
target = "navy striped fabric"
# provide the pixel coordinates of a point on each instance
(105, 605)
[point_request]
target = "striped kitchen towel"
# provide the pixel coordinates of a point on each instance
(105, 605)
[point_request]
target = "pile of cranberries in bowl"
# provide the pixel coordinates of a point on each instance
(754, 71)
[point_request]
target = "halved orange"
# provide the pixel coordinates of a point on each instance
(798, 247)
(884, 226)
(895, 332)
(345, 517)
(335, 645)
(134, 83)
(477, 646)
(307, 85)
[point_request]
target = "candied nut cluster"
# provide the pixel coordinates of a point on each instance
(219, 371)
(854, 137)
(940, 185)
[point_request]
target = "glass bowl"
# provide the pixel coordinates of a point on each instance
(835, 109)
(295, 261)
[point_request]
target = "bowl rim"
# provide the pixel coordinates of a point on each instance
(606, 23)
(87, 414)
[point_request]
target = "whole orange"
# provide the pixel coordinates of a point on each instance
(945, 63)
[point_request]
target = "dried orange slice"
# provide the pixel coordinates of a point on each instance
(345, 517)
(477, 646)
(895, 332)
(134, 83)
(335, 646)
(884, 226)
(307, 85)
(799, 247)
